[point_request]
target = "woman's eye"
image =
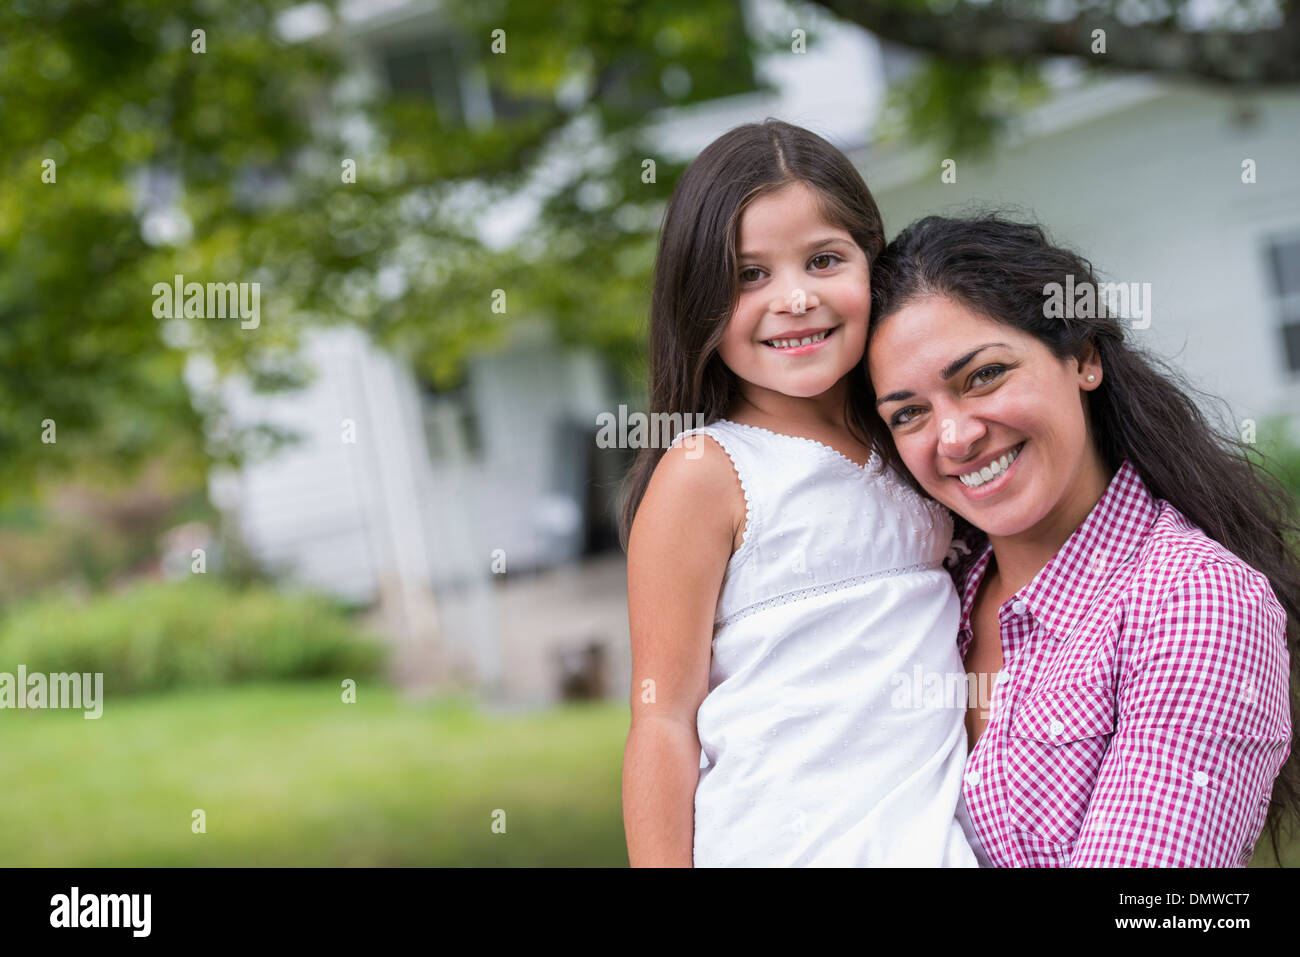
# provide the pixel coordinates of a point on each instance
(743, 271)
(979, 378)
(897, 419)
(826, 256)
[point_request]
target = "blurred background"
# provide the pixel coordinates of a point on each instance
(350, 568)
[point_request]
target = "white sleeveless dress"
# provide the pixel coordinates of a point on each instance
(816, 746)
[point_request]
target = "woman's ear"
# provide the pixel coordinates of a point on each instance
(1090, 372)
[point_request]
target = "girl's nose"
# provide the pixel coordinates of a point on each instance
(797, 303)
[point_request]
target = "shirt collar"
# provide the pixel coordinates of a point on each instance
(1060, 594)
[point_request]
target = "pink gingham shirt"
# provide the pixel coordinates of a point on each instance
(1141, 714)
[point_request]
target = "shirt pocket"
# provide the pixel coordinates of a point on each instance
(1057, 740)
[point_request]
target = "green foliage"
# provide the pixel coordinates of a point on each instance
(107, 92)
(247, 141)
(86, 536)
(962, 108)
(1280, 453)
(156, 636)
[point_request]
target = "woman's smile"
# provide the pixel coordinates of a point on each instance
(987, 481)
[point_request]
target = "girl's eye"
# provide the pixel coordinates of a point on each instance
(895, 420)
(979, 378)
(833, 256)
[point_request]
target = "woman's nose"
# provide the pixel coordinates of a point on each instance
(958, 434)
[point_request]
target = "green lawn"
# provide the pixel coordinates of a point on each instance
(289, 775)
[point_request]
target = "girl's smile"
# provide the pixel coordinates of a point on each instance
(800, 342)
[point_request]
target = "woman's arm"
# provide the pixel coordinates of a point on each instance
(678, 549)
(1203, 727)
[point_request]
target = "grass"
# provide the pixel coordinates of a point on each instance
(286, 774)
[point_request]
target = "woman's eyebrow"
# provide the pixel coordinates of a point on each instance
(946, 373)
(952, 368)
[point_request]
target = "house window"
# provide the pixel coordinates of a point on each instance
(451, 428)
(430, 68)
(1284, 262)
(444, 68)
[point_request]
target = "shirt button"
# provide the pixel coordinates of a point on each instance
(1056, 728)
(1019, 607)
(1003, 677)
(1200, 779)
(972, 778)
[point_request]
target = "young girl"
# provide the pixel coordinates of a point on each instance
(786, 593)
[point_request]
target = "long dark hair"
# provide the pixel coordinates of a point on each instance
(1142, 410)
(696, 279)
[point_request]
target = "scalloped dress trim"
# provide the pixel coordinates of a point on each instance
(872, 459)
(895, 488)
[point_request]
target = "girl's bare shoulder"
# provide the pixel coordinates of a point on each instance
(695, 484)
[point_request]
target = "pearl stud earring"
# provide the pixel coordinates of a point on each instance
(1092, 378)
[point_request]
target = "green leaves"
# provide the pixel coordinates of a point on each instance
(962, 107)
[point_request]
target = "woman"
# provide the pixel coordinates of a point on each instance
(1128, 599)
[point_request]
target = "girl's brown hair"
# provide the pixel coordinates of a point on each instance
(696, 276)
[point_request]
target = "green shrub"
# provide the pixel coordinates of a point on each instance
(1279, 454)
(197, 633)
(1282, 452)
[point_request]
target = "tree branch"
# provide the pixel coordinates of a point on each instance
(985, 33)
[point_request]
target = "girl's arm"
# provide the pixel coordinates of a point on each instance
(685, 531)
